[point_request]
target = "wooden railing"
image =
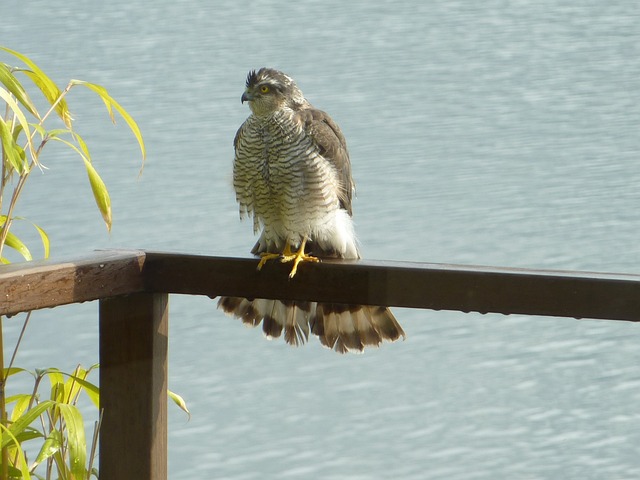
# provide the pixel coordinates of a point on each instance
(133, 286)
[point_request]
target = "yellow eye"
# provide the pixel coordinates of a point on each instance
(264, 89)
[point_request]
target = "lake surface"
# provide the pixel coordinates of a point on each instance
(492, 133)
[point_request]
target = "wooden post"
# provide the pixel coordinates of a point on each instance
(133, 387)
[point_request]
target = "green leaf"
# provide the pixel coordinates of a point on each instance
(92, 391)
(93, 367)
(48, 88)
(50, 447)
(56, 379)
(22, 403)
(82, 144)
(45, 240)
(8, 437)
(73, 386)
(19, 425)
(61, 467)
(76, 439)
(13, 370)
(178, 400)
(14, 242)
(100, 193)
(14, 152)
(8, 79)
(22, 119)
(99, 189)
(17, 130)
(29, 433)
(111, 104)
(56, 132)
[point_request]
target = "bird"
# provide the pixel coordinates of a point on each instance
(292, 175)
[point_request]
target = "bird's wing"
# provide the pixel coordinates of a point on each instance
(237, 137)
(332, 146)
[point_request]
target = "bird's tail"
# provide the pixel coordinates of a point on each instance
(341, 327)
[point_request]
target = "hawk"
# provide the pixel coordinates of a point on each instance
(292, 174)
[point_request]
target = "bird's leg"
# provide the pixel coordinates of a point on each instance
(266, 256)
(296, 258)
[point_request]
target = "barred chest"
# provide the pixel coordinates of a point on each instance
(279, 176)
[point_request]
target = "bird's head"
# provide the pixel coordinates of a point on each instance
(269, 90)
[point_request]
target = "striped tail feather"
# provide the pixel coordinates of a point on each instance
(275, 316)
(347, 328)
(340, 327)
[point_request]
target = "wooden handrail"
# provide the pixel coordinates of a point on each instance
(404, 284)
(104, 274)
(133, 288)
(50, 283)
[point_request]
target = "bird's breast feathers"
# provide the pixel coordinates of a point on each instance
(290, 189)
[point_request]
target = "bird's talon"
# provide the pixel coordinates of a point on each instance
(296, 257)
(265, 257)
(300, 257)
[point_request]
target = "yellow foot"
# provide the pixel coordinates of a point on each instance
(296, 258)
(265, 257)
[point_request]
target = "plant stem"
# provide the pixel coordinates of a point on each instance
(3, 406)
(14, 199)
(15, 350)
(94, 444)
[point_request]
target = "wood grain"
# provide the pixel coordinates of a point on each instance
(133, 387)
(49, 283)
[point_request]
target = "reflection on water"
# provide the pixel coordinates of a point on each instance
(480, 133)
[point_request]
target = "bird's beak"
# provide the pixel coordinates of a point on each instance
(246, 97)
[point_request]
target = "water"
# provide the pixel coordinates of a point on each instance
(482, 133)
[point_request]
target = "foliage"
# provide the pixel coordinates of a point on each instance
(23, 141)
(61, 433)
(56, 422)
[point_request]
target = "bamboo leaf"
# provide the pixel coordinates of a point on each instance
(92, 391)
(22, 119)
(13, 370)
(76, 440)
(72, 389)
(102, 93)
(9, 437)
(73, 384)
(56, 379)
(17, 130)
(15, 473)
(14, 152)
(29, 433)
(15, 108)
(50, 447)
(14, 242)
(93, 367)
(83, 146)
(19, 425)
(56, 132)
(100, 193)
(11, 83)
(46, 245)
(99, 189)
(111, 104)
(61, 467)
(48, 88)
(22, 403)
(178, 400)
